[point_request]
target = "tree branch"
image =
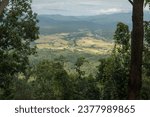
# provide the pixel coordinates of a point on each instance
(3, 4)
(131, 1)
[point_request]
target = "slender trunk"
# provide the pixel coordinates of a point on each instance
(3, 4)
(135, 80)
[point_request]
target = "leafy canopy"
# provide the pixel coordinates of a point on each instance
(18, 30)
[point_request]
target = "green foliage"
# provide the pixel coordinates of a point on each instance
(146, 53)
(113, 72)
(147, 33)
(80, 61)
(51, 81)
(145, 93)
(17, 30)
(21, 89)
(147, 2)
(104, 78)
(85, 89)
(122, 37)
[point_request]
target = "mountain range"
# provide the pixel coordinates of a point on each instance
(101, 25)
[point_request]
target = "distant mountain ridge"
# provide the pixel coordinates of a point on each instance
(104, 25)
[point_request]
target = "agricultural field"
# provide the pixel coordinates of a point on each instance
(87, 45)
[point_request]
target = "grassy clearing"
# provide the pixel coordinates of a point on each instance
(85, 44)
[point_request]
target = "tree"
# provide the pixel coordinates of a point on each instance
(135, 81)
(122, 37)
(113, 72)
(80, 61)
(121, 55)
(51, 81)
(18, 28)
(145, 92)
(146, 54)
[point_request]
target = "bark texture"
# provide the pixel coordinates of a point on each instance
(135, 80)
(3, 4)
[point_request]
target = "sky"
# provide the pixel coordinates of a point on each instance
(80, 7)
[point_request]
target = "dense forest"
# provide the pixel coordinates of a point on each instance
(122, 74)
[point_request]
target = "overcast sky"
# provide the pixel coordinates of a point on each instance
(80, 7)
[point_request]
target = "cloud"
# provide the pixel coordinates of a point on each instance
(80, 7)
(109, 11)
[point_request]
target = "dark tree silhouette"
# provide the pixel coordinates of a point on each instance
(135, 80)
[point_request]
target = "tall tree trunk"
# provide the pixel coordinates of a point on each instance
(3, 4)
(135, 80)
